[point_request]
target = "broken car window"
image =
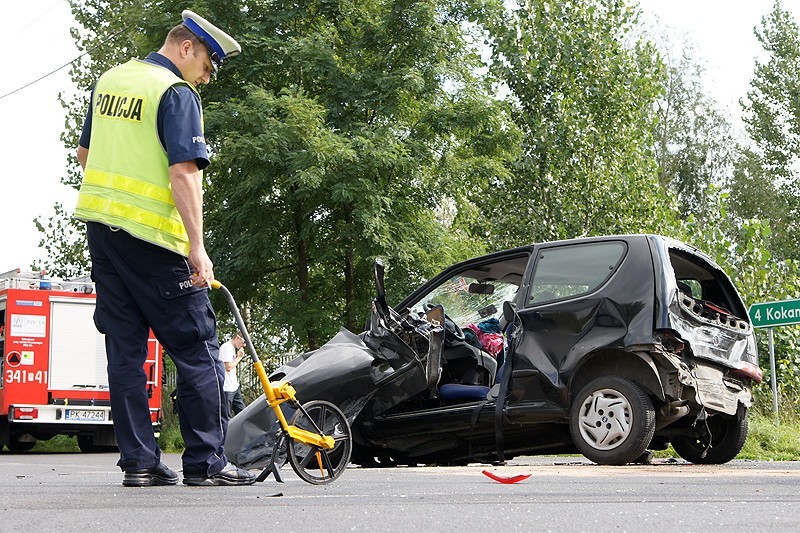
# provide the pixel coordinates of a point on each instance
(464, 306)
(567, 271)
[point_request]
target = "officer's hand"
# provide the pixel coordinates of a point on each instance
(203, 267)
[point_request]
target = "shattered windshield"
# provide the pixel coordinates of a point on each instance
(469, 301)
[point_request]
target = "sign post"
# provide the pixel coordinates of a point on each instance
(772, 375)
(770, 315)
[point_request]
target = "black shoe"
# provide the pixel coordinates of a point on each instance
(146, 477)
(230, 475)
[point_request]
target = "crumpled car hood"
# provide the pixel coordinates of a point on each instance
(318, 375)
(369, 373)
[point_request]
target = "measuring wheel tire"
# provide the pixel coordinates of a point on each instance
(612, 421)
(728, 435)
(317, 465)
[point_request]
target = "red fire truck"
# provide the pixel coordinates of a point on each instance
(54, 379)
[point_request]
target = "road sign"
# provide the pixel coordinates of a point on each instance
(770, 314)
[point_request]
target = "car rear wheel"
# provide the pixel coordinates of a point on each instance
(612, 421)
(727, 440)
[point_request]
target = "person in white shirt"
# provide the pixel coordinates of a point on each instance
(230, 354)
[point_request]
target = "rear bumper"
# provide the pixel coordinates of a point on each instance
(704, 384)
(711, 387)
(78, 415)
(59, 414)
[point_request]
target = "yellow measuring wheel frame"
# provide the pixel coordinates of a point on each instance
(316, 457)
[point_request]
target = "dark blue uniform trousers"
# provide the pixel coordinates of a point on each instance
(141, 286)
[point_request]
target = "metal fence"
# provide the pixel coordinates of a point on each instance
(245, 371)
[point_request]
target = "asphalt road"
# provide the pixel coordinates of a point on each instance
(79, 492)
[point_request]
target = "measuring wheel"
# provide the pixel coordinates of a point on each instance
(314, 464)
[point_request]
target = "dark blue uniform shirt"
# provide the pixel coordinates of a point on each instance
(179, 121)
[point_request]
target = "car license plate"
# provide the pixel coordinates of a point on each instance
(85, 414)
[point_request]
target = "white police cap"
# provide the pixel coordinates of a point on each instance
(220, 45)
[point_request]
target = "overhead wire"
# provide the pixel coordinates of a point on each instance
(34, 21)
(65, 64)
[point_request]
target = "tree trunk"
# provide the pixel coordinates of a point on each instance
(350, 289)
(349, 274)
(301, 249)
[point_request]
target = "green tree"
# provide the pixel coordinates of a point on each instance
(354, 123)
(772, 106)
(695, 146)
(772, 118)
(582, 90)
(756, 195)
(64, 241)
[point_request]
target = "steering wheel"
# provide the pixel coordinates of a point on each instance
(451, 330)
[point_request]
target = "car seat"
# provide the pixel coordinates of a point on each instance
(464, 368)
(459, 391)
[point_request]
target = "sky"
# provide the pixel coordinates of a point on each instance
(35, 36)
(722, 32)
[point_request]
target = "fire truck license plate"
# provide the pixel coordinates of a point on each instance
(84, 414)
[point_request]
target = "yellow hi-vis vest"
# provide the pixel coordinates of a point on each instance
(126, 180)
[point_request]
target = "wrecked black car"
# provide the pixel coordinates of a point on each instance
(607, 346)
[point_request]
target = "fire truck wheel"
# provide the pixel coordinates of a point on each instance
(16, 445)
(87, 445)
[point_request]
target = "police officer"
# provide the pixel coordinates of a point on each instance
(143, 152)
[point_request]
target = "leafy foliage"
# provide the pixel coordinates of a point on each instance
(342, 140)
(772, 107)
(695, 146)
(582, 98)
(65, 243)
(772, 117)
(350, 130)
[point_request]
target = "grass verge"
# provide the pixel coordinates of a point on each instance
(171, 440)
(59, 443)
(771, 441)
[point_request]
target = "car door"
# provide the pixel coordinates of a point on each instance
(580, 297)
(469, 292)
